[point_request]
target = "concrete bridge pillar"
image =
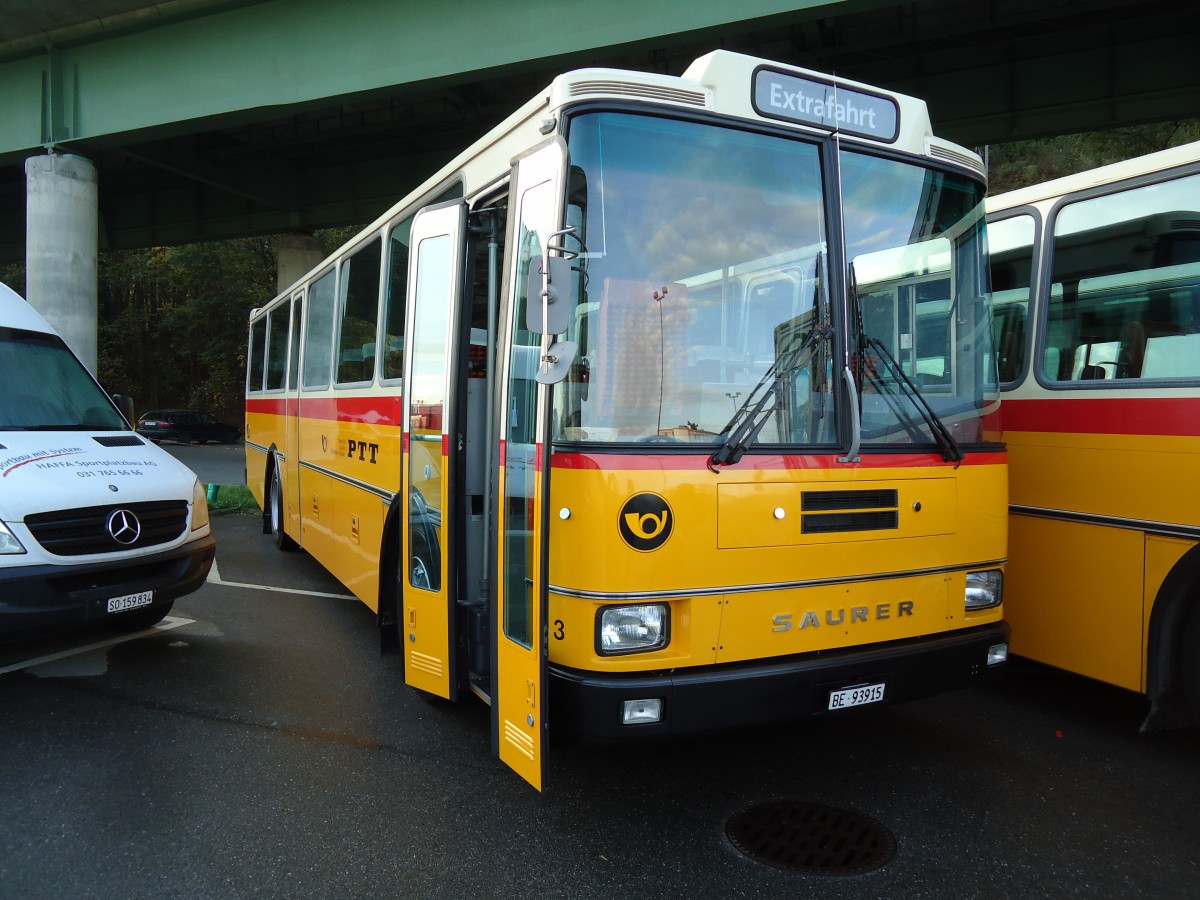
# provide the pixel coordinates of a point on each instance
(297, 254)
(62, 225)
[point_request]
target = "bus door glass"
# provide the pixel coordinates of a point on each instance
(518, 703)
(435, 276)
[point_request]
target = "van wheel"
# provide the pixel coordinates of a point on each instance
(141, 620)
(275, 512)
(1189, 665)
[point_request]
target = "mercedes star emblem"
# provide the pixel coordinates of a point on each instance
(124, 526)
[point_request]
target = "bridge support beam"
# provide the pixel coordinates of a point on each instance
(61, 193)
(297, 254)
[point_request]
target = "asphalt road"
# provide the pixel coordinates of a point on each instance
(261, 747)
(212, 463)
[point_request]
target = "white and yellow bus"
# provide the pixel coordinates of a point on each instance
(1097, 293)
(669, 406)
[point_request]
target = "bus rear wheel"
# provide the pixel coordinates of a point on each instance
(275, 513)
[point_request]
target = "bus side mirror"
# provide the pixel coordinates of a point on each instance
(548, 307)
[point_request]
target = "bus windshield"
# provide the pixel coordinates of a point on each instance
(916, 249)
(47, 388)
(702, 269)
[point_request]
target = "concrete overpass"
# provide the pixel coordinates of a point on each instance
(193, 120)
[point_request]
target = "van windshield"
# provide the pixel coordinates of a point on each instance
(45, 388)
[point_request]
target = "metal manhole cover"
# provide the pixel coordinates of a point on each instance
(811, 838)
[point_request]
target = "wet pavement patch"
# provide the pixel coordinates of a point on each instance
(811, 838)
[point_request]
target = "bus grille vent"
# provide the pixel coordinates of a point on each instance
(83, 531)
(830, 512)
(937, 151)
(519, 740)
(644, 91)
(431, 665)
(827, 501)
(829, 523)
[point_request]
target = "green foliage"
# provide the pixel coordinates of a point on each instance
(172, 322)
(1022, 163)
(236, 499)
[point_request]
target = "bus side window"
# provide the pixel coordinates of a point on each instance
(277, 338)
(254, 368)
(358, 311)
(392, 337)
(1011, 242)
(294, 354)
(318, 333)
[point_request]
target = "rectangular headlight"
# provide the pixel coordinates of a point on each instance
(632, 629)
(199, 506)
(641, 712)
(8, 541)
(984, 589)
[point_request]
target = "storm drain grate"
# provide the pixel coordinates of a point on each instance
(811, 838)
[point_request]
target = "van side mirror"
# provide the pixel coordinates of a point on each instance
(125, 405)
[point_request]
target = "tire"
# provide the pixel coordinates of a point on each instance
(1189, 664)
(142, 619)
(275, 513)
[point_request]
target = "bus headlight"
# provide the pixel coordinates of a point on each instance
(984, 589)
(632, 629)
(8, 541)
(199, 506)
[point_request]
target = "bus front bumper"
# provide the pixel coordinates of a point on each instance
(590, 707)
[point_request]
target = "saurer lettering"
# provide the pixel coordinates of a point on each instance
(810, 619)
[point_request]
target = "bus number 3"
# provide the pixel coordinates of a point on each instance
(559, 630)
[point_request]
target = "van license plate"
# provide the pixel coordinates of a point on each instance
(856, 696)
(130, 601)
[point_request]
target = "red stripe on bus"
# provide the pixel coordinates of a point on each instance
(383, 410)
(683, 463)
(1175, 416)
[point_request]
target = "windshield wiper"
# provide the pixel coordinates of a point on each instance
(749, 418)
(951, 452)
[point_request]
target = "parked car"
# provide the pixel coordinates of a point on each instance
(185, 426)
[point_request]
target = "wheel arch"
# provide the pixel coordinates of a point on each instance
(391, 601)
(1176, 600)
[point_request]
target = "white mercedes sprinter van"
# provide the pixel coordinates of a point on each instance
(96, 523)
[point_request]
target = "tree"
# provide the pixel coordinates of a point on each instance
(1021, 163)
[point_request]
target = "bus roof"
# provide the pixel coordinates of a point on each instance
(722, 82)
(1080, 181)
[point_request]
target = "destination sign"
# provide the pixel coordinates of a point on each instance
(835, 107)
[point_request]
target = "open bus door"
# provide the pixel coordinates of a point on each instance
(519, 720)
(427, 460)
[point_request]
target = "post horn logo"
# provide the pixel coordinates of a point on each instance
(645, 521)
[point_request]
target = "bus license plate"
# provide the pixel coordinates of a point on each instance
(130, 601)
(856, 696)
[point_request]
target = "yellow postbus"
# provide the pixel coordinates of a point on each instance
(1096, 283)
(669, 406)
